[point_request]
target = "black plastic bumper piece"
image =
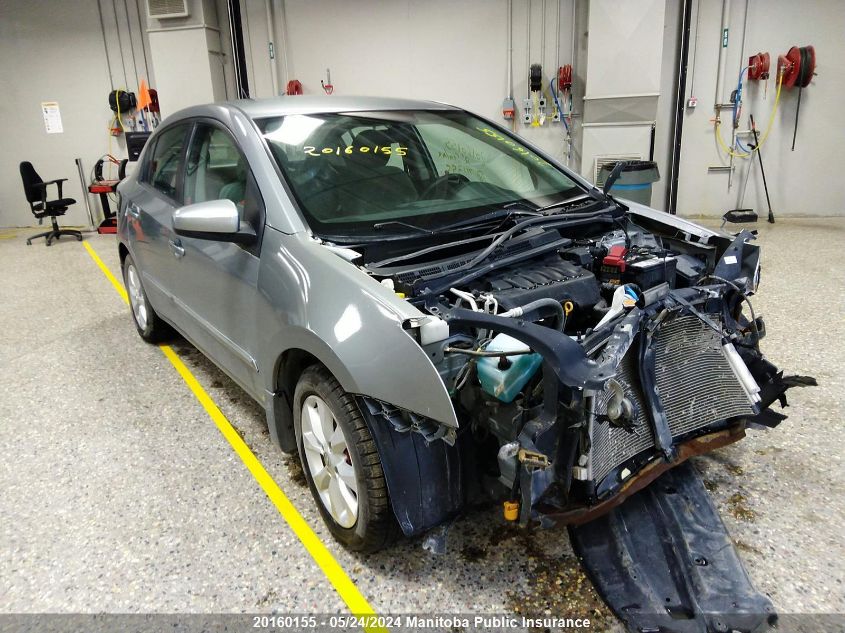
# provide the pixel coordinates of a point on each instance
(663, 561)
(425, 480)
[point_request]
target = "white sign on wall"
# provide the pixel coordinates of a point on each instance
(52, 117)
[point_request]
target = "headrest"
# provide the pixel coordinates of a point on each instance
(369, 140)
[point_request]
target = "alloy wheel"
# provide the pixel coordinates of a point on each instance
(136, 297)
(329, 461)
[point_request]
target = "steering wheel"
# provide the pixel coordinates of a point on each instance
(442, 184)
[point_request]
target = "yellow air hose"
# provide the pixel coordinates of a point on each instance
(762, 137)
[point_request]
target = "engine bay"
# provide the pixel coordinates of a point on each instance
(584, 355)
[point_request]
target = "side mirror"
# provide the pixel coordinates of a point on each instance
(213, 220)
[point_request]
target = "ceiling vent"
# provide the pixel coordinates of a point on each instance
(166, 9)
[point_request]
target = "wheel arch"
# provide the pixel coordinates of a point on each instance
(425, 481)
(286, 372)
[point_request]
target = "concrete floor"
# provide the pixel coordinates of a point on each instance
(120, 495)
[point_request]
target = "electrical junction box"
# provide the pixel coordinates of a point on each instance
(693, 101)
(527, 107)
(508, 109)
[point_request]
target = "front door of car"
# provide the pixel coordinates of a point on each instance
(217, 280)
(149, 212)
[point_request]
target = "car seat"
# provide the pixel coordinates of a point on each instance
(370, 184)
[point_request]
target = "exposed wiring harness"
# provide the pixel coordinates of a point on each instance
(745, 298)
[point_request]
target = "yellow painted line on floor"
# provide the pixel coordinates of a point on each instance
(344, 586)
(114, 282)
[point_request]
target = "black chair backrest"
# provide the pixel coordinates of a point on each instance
(30, 179)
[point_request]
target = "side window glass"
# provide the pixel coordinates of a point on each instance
(166, 161)
(216, 170)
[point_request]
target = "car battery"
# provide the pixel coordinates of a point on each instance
(644, 269)
(650, 270)
(613, 265)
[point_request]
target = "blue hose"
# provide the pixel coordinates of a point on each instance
(737, 101)
(557, 103)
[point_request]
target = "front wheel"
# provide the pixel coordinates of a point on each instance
(341, 463)
(149, 325)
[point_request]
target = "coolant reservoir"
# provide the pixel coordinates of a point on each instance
(505, 383)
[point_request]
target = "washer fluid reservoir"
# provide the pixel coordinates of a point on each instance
(505, 380)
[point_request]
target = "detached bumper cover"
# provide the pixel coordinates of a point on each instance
(664, 561)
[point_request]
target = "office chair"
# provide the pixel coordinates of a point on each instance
(36, 194)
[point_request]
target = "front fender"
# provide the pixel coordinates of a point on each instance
(316, 301)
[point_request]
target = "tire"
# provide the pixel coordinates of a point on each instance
(319, 402)
(150, 326)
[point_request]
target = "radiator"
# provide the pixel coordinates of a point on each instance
(695, 384)
(611, 445)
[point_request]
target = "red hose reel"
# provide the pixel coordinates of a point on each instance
(564, 77)
(758, 67)
(798, 66)
(294, 87)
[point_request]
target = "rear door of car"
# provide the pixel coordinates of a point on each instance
(217, 280)
(149, 213)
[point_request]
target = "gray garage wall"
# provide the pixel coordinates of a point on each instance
(455, 51)
(53, 51)
(450, 50)
(806, 181)
(442, 50)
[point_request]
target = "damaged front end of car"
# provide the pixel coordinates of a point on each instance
(667, 374)
(584, 364)
(584, 372)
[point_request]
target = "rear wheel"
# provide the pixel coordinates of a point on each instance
(149, 325)
(341, 463)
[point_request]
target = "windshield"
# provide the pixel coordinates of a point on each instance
(355, 172)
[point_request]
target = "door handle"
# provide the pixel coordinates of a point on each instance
(176, 248)
(133, 210)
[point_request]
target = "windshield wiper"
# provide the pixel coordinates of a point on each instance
(499, 214)
(380, 225)
(572, 218)
(505, 212)
(535, 218)
(474, 269)
(555, 205)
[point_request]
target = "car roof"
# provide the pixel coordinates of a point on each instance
(305, 104)
(313, 104)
